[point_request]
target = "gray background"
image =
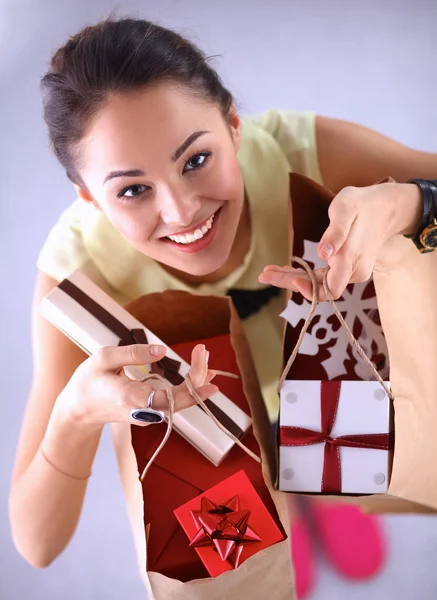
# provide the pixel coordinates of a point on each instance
(374, 62)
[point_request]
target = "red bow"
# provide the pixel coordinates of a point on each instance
(299, 436)
(224, 527)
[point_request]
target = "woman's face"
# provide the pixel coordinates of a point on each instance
(163, 167)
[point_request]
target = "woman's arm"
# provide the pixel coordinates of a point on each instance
(353, 155)
(363, 216)
(67, 408)
(44, 504)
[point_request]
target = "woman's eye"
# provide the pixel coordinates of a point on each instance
(196, 161)
(133, 191)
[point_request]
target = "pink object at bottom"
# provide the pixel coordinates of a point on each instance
(352, 541)
(303, 558)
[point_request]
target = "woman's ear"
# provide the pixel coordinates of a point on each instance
(85, 195)
(235, 125)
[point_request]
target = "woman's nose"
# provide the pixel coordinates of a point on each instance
(177, 208)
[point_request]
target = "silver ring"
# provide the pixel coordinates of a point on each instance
(148, 414)
(150, 399)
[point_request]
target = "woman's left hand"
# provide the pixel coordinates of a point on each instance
(362, 220)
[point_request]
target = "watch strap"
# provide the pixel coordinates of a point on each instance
(428, 211)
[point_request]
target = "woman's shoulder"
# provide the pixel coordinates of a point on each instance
(84, 238)
(295, 133)
(64, 250)
(299, 123)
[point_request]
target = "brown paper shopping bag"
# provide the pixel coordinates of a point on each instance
(177, 317)
(406, 300)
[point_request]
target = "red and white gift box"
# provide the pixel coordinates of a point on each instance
(335, 437)
(93, 320)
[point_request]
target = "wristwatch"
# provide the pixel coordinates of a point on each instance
(425, 238)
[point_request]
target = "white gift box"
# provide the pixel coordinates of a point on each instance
(70, 307)
(363, 409)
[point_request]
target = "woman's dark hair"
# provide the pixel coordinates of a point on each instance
(117, 56)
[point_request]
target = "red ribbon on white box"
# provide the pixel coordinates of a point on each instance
(290, 435)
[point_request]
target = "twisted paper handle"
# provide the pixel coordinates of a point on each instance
(169, 391)
(339, 316)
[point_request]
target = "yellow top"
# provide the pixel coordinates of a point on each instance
(273, 144)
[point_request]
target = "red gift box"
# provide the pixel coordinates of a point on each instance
(180, 472)
(227, 524)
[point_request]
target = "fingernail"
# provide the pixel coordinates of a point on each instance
(327, 250)
(207, 355)
(156, 350)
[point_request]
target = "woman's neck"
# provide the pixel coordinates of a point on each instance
(239, 250)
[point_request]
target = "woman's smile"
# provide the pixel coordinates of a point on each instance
(196, 238)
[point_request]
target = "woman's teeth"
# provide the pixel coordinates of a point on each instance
(189, 238)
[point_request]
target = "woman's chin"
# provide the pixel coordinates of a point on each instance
(208, 262)
(201, 268)
(190, 267)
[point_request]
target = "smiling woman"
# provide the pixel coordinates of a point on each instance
(162, 185)
(173, 191)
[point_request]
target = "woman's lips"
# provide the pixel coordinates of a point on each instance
(197, 245)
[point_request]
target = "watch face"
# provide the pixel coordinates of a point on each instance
(429, 236)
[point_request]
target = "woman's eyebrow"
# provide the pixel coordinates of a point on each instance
(190, 140)
(129, 173)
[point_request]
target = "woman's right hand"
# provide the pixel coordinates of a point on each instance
(100, 392)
